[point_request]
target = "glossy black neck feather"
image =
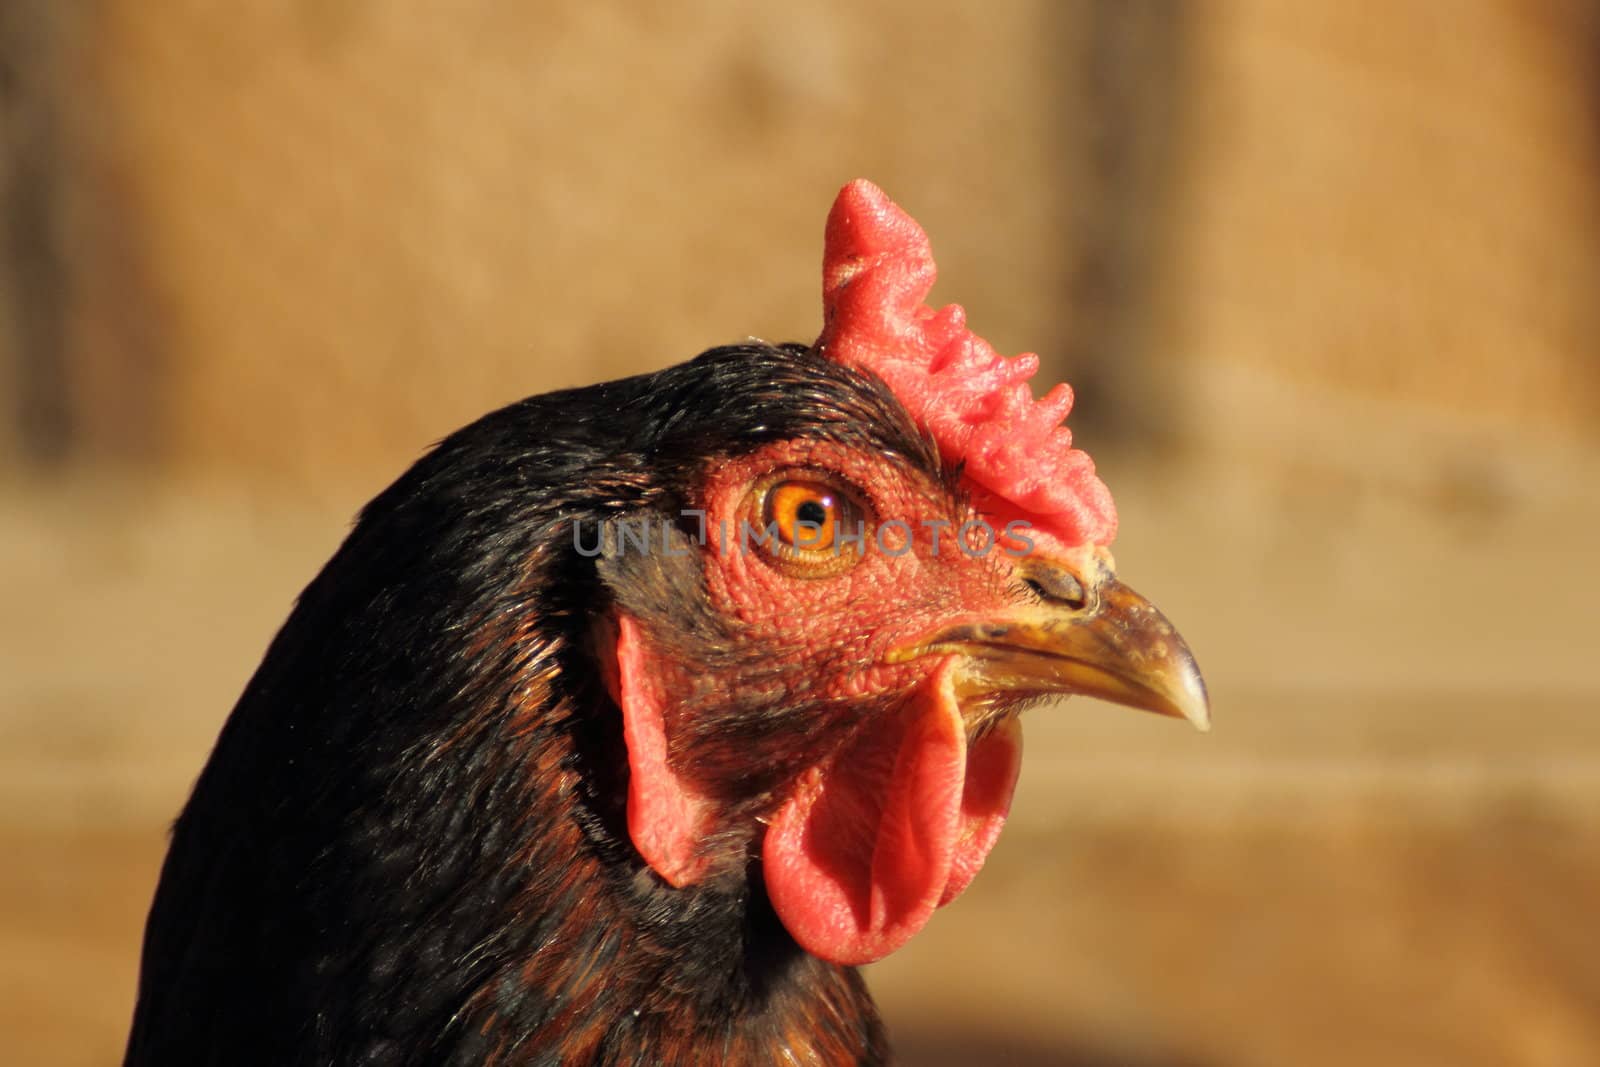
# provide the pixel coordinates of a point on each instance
(409, 845)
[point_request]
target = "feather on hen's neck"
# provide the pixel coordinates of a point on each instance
(877, 271)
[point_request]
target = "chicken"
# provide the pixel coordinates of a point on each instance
(632, 718)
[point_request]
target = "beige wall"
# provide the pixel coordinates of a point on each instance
(1393, 204)
(305, 239)
(358, 225)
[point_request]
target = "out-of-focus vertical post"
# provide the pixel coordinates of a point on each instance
(1122, 80)
(36, 424)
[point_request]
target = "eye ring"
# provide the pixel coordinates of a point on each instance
(807, 524)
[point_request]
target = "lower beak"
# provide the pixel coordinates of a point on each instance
(1113, 644)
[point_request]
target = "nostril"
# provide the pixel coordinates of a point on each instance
(1058, 586)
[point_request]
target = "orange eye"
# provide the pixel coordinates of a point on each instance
(807, 515)
(815, 526)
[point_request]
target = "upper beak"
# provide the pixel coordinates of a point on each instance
(1092, 636)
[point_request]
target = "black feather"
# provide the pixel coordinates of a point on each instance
(409, 845)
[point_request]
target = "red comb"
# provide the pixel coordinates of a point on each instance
(877, 271)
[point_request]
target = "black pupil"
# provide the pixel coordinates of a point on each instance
(814, 512)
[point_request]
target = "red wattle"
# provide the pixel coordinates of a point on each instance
(896, 826)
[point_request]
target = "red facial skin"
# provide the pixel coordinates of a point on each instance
(884, 600)
(897, 810)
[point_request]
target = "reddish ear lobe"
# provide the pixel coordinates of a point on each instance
(666, 819)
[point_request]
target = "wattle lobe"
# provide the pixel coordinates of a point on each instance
(897, 825)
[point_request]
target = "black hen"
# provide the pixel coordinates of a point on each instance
(552, 764)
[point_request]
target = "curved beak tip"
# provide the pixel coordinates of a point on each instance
(1195, 705)
(1178, 688)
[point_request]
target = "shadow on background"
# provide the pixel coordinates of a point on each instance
(917, 1047)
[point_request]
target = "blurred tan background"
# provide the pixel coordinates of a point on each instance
(1325, 275)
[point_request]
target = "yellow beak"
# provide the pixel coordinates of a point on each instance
(1094, 638)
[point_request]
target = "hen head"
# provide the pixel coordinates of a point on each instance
(821, 648)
